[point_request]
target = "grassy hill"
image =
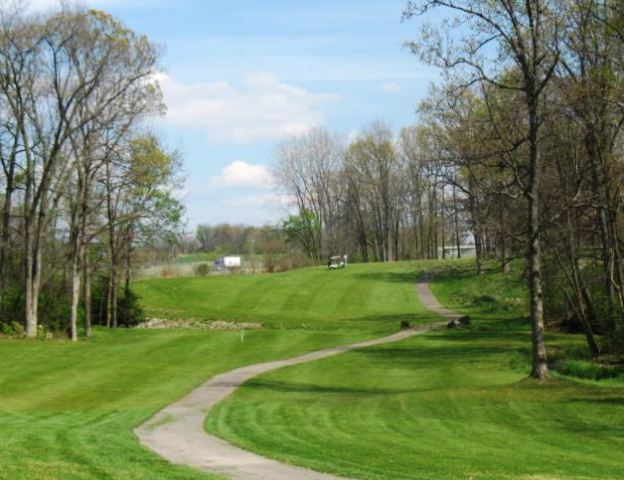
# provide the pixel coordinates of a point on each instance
(370, 298)
(449, 405)
(67, 411)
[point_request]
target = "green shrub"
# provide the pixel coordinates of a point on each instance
(11, 308)
(129, 311)
(13, 329)
(485, 300)
(43, 333)
(55, 310)
(202, 269)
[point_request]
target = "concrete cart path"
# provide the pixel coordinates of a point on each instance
(177, 432)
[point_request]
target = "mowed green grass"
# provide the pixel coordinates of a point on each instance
(67, 411)
(448, 405)
(371, 298)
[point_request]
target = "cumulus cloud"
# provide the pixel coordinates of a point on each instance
(263, 108)
(242, 174)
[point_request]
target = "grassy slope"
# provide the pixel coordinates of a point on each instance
(371, 298)
(451, 405)
(67, 411)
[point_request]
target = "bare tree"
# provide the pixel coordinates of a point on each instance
(307, 169)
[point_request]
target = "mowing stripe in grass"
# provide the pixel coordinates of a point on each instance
(176, 432)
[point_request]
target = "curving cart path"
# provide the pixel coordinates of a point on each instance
(177, 433)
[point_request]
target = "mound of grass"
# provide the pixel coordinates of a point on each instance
(374, 298)
(452, 405)
(449, 405)
(67, 411)
(498, 300)
(442, 406)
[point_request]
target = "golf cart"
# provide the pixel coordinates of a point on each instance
(336, 262)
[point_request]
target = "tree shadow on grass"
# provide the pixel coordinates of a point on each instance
(384, 324)
(433, 352)
(472, 336)
(600, 399)
(286, 387)
(391, 277)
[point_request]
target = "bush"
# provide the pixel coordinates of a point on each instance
(11, 308)
(283, 263)
(405, 325)
(201, 269)
(13, 329)
(167, 271)
(270, 263)
(43, 333)
(55, 310)
(129, 312)
(485, 300)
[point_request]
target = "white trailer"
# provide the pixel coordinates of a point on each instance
(232, 262)
(228, 262)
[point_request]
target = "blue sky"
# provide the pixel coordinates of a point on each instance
(240, 75)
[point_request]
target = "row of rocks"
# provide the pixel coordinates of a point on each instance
(162, 323)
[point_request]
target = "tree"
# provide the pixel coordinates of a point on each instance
(75, 84)
(496, 37)
(373, 168)
(139, 184)
(302, 229)
(592, 88)
(307, 169)
(118, 66)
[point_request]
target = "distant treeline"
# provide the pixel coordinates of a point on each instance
(225, 238)
(379, 197)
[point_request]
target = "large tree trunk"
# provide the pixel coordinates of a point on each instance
(113, 293)
(38, 257)
(29, 265)
(79, 228)
(75, 292)
(87, 294)
(540, 362)
(33, 259)
(456, 218)
(442, 223)
(128, 267)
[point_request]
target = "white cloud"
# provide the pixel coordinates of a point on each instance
(242, 174)
(392, 87)
(264, 108)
